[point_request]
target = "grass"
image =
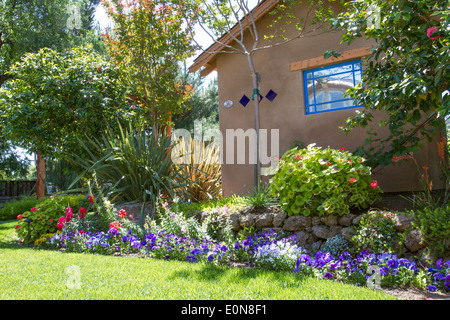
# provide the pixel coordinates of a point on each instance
(28, 273)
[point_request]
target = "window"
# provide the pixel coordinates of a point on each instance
(325, 87)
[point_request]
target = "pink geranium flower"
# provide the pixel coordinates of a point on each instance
(374, 184)
(430, 32)
(33, 209)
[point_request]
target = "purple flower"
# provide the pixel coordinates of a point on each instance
(393, 264)
(328, 275)
(384, 271)
(210, 258)
(432, 288)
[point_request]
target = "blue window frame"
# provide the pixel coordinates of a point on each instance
(325, 87)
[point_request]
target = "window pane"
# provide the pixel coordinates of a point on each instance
(335, 105)
(339, 69)
(328, 89)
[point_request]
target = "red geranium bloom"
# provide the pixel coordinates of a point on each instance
(17, 227)
(91, 199)
(19, 216)
(33, 209)
(115, 225)
(352, 180)
(122, 213)
(374, 184)
(298, 157)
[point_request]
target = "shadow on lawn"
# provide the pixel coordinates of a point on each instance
(241, 275)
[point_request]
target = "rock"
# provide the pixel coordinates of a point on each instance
(329, 220)
(295, 223)
(303, 238)
(322, 232)
(235, 222)
(413, 240)
(277, 230)
(315, 221)
(248, 220)
(316, 246)
(346, 220)
(355, 221)
(264, 221)
(278, 219)
(335, 230)
(403, 222)
(348, 233)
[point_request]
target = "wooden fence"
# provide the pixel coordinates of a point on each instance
(17, 188)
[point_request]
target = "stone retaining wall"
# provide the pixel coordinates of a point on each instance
(313, 232)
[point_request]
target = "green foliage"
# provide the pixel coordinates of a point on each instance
(406, 76)
(136, 164)
(12, 164)
(28, 26)
(57, 98)
(11, 209)
(336, 245)
(376, 233)
(317, 181)
(260, 197)
(149, 39)
(45, 216)
(435, 226)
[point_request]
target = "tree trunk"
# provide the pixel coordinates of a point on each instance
(40, 170)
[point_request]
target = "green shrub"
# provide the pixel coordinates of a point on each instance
(45, 216)
(11, 209)
(336, 245)
(317, 181)
(435, 226)
(376, 233)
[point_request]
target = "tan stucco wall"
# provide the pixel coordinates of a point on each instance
(287, 112)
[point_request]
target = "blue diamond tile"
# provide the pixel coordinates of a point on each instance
(271, 95)
(244, 100)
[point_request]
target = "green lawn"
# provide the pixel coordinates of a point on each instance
(39, 274)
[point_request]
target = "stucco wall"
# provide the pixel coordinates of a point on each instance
(287, 111)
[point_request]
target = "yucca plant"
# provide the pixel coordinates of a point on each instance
(201, 165)
(136, 163)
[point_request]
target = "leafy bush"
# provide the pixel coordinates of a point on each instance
(336, 245)
(435, 226)
(11, 209)
(317, 181)
(135, 163)
(376, 233)
(201, 164)
(45, 216)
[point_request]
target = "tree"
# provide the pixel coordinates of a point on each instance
(55, 99)
(203, 104)
(149, 38)
(29, 25)
(407, 75)
(232, 18)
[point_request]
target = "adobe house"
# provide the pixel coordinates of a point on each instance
(302, 99)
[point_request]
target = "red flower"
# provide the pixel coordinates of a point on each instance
(33, 209)
(115, 225)
(19, 216)
(122, 213)
(298, 157)
(352, 180)
(374, 184)
(91, 199)
(342, 149)
(430, 32)
(349, 160)
(328, 163)
(17, 227)
(99, 68)
(82, 213)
